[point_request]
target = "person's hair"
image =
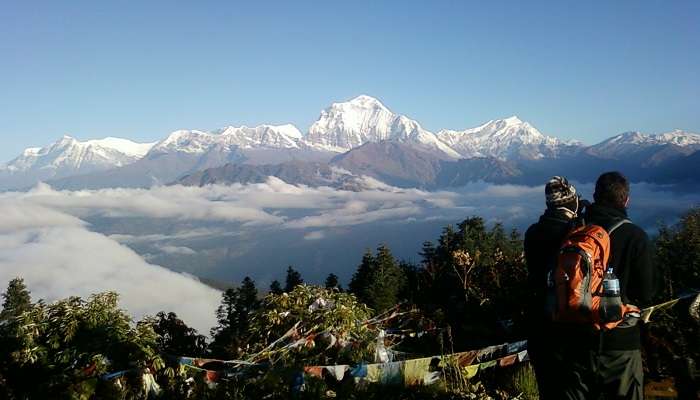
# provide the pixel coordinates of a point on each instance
(612, 189)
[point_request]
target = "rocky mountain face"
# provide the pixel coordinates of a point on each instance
(394, 163)
(293, 172)
(360, 136)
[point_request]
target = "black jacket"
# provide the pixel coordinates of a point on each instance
(542, 243)
(631, 259)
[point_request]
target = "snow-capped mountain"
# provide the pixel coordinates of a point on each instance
(184, 152)
(345, 126)
(68, 156)
(647, 150)
(363, 134)
(265, 136)
(70, 153)
(505, 139)
(629, 143)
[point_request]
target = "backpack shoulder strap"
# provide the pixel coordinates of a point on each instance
(617, 225)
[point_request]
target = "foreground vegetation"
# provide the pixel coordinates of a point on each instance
(466, 293)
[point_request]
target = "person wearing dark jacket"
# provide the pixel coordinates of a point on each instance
(542, 243)
(608, 364)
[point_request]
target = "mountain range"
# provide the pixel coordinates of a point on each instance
(359, 137)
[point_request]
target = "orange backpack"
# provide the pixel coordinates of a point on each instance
(578, 277)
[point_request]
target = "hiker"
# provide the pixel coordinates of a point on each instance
(542, 243)
(611, 366)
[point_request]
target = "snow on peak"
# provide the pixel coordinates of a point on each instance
(679, 138)
(503, 138)
(363, 101)
(264, 136)
(632, 141)
(69, 154)
(270, 136)
(347, 125)
(125, 146)
(512, 120)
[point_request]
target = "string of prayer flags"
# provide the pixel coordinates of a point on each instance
(391, 373)
(212, 376)
(517, 346)
(359, 371)
(523, 356)
(466, 358)
(470, 371)
(150, 385)
(487, 365)
(337, 371)
(415, 371)
(508, 360)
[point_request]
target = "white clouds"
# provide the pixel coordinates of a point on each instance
(64, 259)
(255, 204)
(43, 237)
(177, 202)
(177, 250)
(314, 235)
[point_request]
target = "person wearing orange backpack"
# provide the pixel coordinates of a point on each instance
(608, 363)
(542, 243)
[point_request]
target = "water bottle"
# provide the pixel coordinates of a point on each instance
(550, 296)
(610, 302)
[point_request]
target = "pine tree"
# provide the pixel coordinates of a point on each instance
(16, 300)
(378, 280)
(233, 316)
(411, 289)
(224, 343)
(387, 281)
(175, 337)
(247, 303)
(276, 287)
(293, 279)
(332, 282)
(362, 276)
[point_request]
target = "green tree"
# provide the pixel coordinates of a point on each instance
(323, 317)
(673, 342)
(276, 287)
(176, 338)
(332, 282)
(17, 300)
(410, 290)
(64, 346)
(387, 281)
(378, 280)
(293, 279)
(472, 279)
(233, 316)
(362, 277)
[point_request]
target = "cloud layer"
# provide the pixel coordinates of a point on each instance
(46, 237)
(58, 257)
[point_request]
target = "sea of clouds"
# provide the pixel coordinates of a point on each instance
(67, 243)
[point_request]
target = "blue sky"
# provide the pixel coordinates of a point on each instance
(139, 70)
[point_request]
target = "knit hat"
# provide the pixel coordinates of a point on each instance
(559, 191)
